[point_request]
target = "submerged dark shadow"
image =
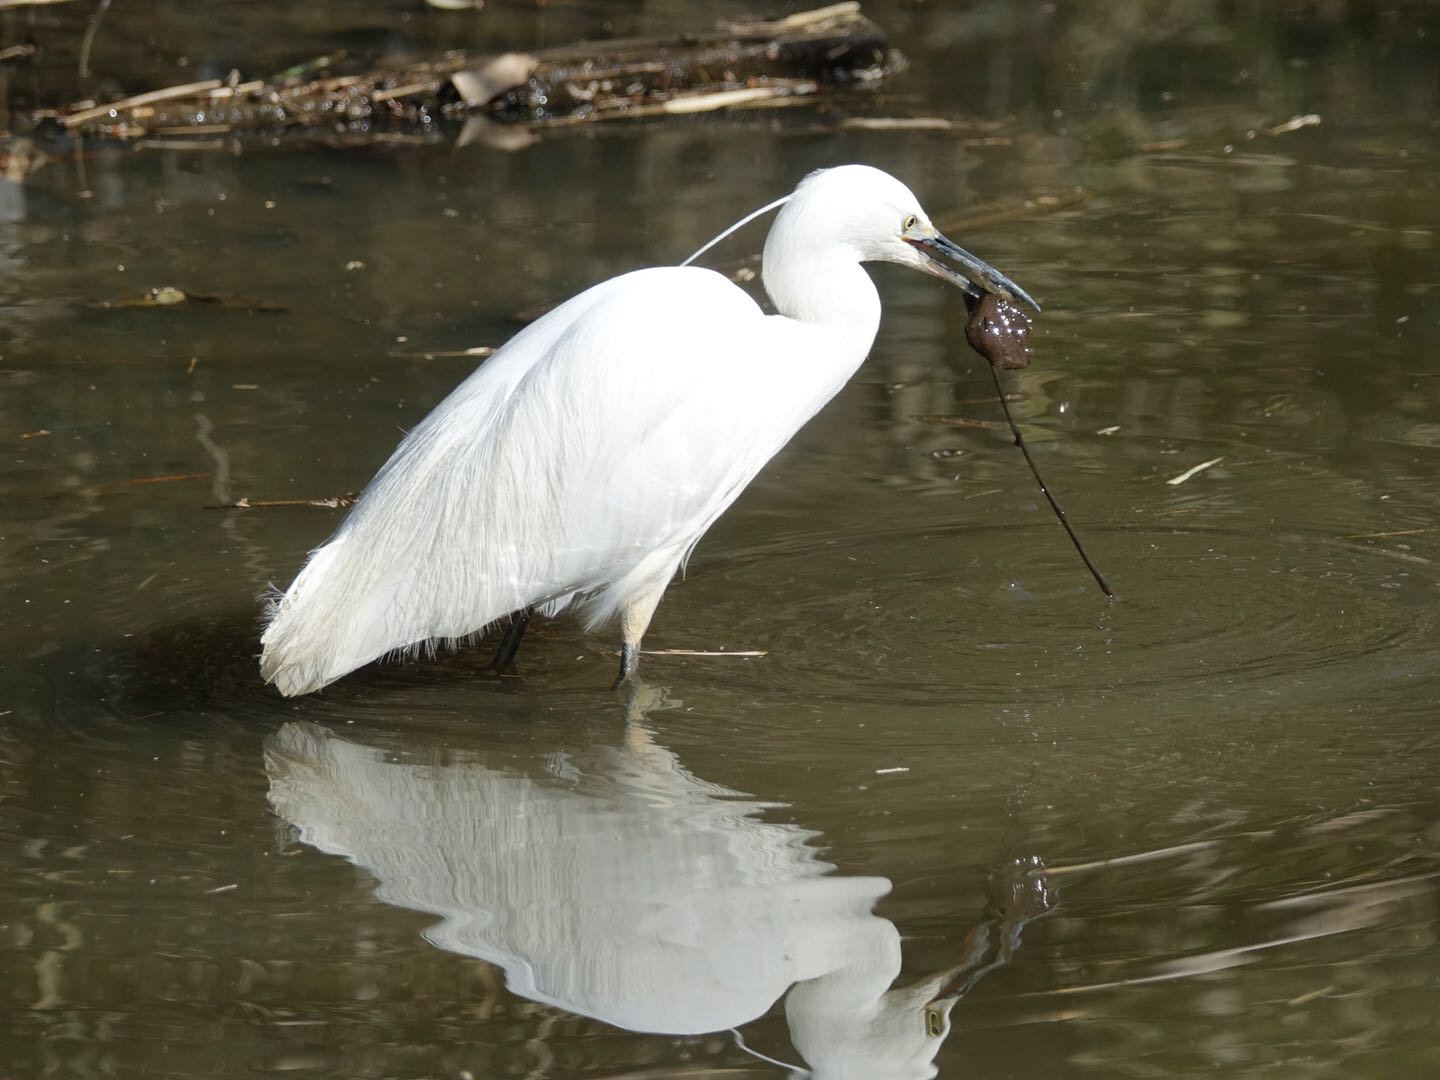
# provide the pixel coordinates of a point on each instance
(192, 666)
(208, 666)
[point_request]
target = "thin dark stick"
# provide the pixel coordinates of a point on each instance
(1059, 510)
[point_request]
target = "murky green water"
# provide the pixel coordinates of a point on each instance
(1193, 832)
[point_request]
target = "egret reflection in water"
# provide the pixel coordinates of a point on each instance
(617, 885)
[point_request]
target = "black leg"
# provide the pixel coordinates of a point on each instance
(510, 640)
(629, 658)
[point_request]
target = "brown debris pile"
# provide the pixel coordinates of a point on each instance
(736, 64)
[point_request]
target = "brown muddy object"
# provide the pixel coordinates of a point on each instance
(736, 64)
(999, 331)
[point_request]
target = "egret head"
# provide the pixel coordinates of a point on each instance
(879, 219)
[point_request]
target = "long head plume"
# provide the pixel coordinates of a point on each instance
(738, 225)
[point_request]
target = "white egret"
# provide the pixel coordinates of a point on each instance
(579, 465)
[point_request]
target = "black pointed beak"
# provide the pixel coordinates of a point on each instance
(974, 276)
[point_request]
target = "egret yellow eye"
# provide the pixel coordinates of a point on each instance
(909, 223)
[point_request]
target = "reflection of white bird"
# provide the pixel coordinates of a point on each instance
(625, 889)
(582, 463)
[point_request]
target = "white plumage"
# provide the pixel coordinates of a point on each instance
(583, 461)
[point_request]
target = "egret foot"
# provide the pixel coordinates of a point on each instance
(510, 640)
(629, 661)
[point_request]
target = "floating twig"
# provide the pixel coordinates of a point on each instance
(1295, 123)
(168, 478)
(475, 352)
(1176, 481)
(1382, 535)
(164, 296)
(703, 652)
(897, 123)
(335, 502)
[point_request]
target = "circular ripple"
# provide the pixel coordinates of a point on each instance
(953, 615)
(1004, 614)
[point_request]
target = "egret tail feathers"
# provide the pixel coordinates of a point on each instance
(306, 643)
(316, 632)
(336, 617)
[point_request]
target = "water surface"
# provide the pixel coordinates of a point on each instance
(1192, 832)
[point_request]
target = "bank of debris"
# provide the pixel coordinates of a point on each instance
(738, 64)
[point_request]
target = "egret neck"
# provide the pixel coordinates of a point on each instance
(821, 283)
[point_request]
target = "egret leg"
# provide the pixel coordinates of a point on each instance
(510, 639)
(634, 621)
